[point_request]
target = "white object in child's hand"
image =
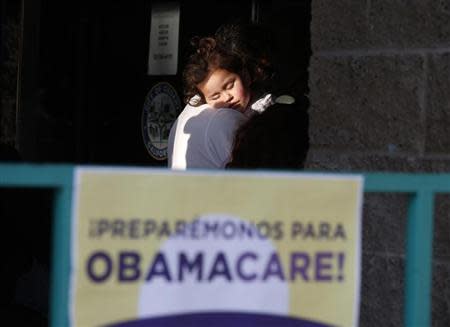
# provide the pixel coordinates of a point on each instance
(263, 103)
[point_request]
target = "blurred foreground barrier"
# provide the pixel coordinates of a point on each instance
(418, 273)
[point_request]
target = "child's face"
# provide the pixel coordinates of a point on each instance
(224, 89)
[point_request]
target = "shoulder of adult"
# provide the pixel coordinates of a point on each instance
(190, 110)
(179, 137)
(220, 132)
(224, 122)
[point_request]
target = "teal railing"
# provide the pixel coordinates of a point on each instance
(421, 189)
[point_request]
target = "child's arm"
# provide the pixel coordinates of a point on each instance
(259, 105)
(265, 102)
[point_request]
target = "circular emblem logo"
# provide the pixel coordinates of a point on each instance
(161, 108)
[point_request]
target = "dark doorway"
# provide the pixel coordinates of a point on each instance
(83, 79)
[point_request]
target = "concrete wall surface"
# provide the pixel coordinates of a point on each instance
(379, 82)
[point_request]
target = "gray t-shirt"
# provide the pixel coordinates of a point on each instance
(202, 137)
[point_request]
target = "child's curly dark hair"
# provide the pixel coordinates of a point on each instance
(240, 48)
(208, 56)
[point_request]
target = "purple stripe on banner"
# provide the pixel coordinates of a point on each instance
(220, 319)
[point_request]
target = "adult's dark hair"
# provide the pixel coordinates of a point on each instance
(253, 44)
(275, 139)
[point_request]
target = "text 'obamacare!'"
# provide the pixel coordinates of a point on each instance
(247, 266)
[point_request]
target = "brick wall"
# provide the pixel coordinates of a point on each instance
(380, 101)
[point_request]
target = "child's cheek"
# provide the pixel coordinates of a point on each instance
(243, 94)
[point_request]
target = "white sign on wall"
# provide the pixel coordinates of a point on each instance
(164, 33)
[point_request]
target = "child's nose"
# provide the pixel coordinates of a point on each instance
(229, 97)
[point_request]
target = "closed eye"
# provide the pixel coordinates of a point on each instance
(229, 85)
(215, 96)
